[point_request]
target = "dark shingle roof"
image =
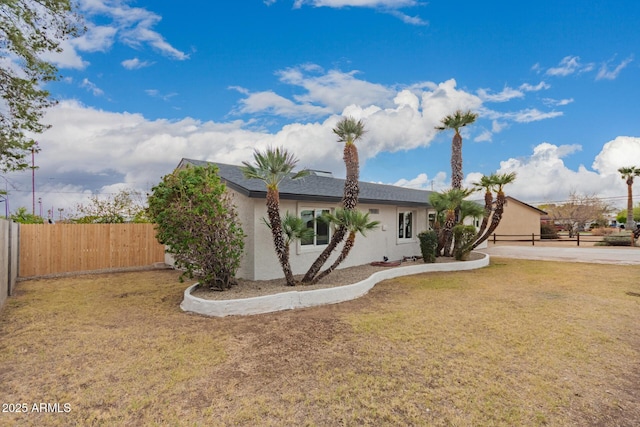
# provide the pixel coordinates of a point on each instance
(317, 188)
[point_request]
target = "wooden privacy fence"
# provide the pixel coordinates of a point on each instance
(61, 248)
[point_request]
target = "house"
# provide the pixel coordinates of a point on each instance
(519, 221)
(402, 212)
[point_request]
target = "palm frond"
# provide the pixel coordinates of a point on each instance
(349, 130)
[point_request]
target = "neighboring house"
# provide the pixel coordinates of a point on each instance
(519, 221)
(402, 212)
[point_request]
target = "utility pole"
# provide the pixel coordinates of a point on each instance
(33, 178)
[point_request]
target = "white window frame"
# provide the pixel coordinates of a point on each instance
(314, 247)
(401, 233)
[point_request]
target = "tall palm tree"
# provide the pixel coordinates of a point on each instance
(452, 199)
(348, 130)
(456, 121)
(628, 173)
(355, 222)
(500, 181)
(272, 166)
(486, 183)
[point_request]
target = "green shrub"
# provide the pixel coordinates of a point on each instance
(195, 217)
(428, 245)
(617, 239)
(464, 236)
(548, 231)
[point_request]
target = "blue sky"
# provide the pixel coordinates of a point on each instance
(556, 85)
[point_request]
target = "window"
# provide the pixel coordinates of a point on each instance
(405, 225)
(320, 229)
(432, 220)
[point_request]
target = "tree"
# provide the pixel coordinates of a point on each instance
(628, 173)
(28, 29)
(294, 228)
(272, 166)
(578, 211)
(456, 121)
(348, 131)
(451, 199)
(499, 182)
(486, 183)
(23, 217)
(355, 222)
(621, 218)
(195, 217)
(125, 206)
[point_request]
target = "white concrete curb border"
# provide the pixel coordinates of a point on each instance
(301, 299)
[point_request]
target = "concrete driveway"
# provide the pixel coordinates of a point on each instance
(602, 255)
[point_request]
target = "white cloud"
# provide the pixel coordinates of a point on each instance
(569, 65)
(67, 58)
(484, 136)
(621, 152)
(411, 20)
(530, 88)
(557, 102)
(129, 25)
(523, 116)
(607, 74)
(156, 94)
(423, 182)
(272, 103)
(391, 7)
(98, 38)
(135, 64)
(91, 87)
(544, 177)
(497, 126)
(391, 4)
(507, 94)
(335, 89)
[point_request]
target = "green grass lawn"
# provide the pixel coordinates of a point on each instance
(517, 343)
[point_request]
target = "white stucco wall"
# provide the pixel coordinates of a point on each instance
(244, 208)
(378, 243)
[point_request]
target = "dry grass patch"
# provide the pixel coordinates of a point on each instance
(517, 343)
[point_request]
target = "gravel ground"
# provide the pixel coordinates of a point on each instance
(341, 277)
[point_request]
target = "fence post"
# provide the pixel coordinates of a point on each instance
(494, 238)
(578, 239)
(533, 240)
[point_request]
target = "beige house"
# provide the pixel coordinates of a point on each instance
(519, 221)
(402, 212)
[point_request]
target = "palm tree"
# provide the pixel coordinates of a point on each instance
(455, 122)
(348, 131)
(628, 173)
(272, 166)
(452, 199)
(470, 209)
(500, 181)
(486, 183)
(355, 222)
(293, 228)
